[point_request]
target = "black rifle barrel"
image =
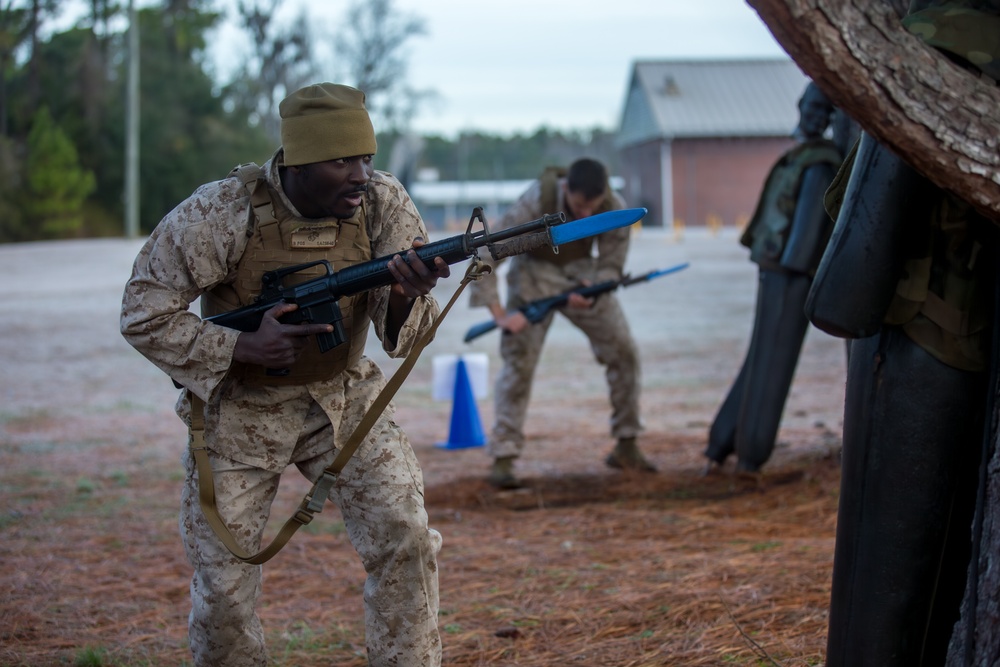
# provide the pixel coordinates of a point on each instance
(375, 272)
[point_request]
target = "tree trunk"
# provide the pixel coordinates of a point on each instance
(941, 119)
(976, 638)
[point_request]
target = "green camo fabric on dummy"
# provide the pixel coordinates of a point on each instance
(968, 29)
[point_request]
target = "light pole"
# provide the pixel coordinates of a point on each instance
(132, 128)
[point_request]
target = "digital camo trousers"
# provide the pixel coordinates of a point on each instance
(380, 495)
(614, 348)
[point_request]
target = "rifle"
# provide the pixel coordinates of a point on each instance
(536, 311)
(317, 298)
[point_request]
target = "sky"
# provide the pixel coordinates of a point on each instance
(515, 65)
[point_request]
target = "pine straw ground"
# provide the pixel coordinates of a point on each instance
(584, 566)
(593, 569)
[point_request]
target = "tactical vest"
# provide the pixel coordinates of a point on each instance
(943, 298)
(573, 250)
(279, 239)
(767, 233)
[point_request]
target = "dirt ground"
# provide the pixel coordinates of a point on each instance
(584, 566)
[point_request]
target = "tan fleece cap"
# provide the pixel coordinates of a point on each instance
(325, 121)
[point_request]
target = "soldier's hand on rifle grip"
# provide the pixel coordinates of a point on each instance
(514, 322)
(413, 277)
(276, 345)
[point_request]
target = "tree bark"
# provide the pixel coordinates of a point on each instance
(975, 641)
(941, 119)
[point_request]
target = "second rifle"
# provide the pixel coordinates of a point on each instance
(536, 311)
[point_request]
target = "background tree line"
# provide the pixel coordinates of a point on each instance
(63, 108)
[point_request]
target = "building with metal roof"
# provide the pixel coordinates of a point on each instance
(697, 137)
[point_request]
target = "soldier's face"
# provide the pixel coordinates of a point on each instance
(332, 189)
(581, 207)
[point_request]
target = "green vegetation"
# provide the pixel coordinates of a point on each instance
(62, 118)
(91, 657)
(55, 185)
(63, 109)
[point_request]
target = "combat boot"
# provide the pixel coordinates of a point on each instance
(626, 455)
(502, 473)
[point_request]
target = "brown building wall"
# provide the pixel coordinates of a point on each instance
(718, 181)
(715, 181)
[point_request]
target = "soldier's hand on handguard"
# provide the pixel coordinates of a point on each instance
(413, 277)
(575, 300)
(274, 344)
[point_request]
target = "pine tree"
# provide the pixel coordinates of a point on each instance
(55, 183)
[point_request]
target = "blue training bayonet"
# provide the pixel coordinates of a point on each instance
(595, 224)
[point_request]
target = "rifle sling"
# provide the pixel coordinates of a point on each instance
(317, 496)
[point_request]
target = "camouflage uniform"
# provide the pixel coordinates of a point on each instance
(255, 431)
(531, 278)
